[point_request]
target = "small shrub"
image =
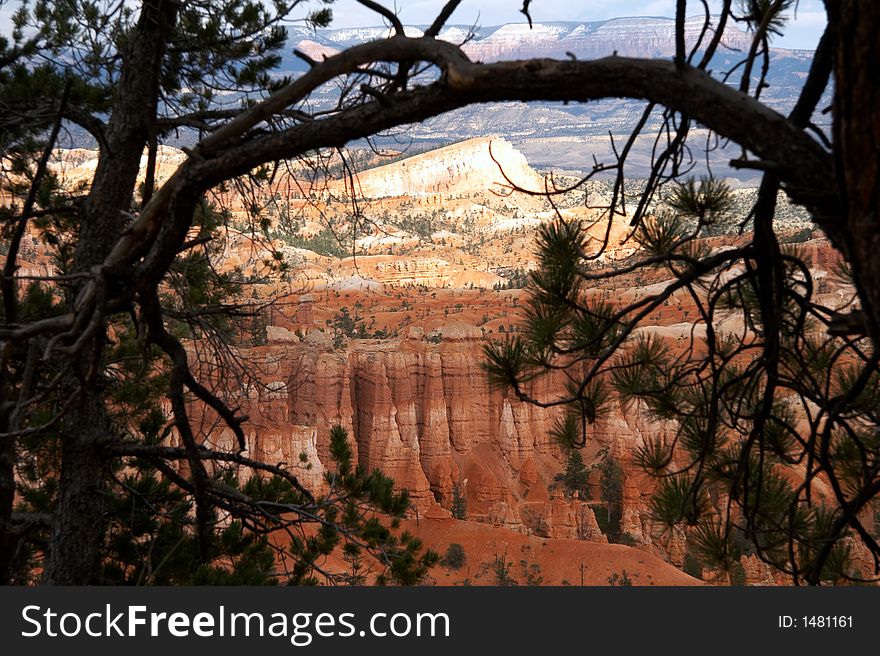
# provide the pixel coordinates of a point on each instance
(619, 579)
(501, 568)
(454, 558)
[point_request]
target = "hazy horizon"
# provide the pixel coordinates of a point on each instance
(803, 31)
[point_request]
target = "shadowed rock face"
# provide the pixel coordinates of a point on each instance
(421, 412)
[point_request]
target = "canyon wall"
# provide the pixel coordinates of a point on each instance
(422, 411)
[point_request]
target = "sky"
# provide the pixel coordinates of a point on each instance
(803, 31)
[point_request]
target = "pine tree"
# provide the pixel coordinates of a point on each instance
(576, 477)
(459, 503)
(611, 485)
(154, 69)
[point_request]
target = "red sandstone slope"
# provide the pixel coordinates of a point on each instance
(556, 562)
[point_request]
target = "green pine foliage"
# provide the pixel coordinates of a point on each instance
(734, 403)
(576, 477)
(150, 533)
(149, 527)
(611, 487)
(757, 12)
(501, 568)
(401, 555)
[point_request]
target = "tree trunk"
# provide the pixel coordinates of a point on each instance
(8, 540)
(856, 24)
(74, 551)
(77, 531)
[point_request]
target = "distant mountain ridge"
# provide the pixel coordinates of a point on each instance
(628, 37)
(555, 135)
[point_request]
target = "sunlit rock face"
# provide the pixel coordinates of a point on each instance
(475, 165)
